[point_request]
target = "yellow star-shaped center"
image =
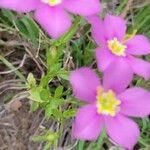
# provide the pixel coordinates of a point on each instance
(116, 47)
(107, 103)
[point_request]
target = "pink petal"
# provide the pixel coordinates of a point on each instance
(82, 7)
(118, 75)
(115, 26)
(19, 5)
(84, 83)
(104, 58)
(135, 102)
(138, 45)
(87, 124)
(53, 19)
(97, 28)
(140, 67)
(122, 131)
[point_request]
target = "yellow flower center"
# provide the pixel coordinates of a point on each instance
(107, 103)
(116, 47)
(52, 2)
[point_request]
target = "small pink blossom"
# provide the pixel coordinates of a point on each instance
(108, 107)
(52, 14)
(117, 51)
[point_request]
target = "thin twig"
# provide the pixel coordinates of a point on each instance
(12, 88)
(7, 82)
(20, 66)
(12, 43)
(10, 66)
(143, 4)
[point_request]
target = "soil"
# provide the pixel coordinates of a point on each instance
(17, 123)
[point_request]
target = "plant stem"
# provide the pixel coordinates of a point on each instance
(81, 145)
(101, 139)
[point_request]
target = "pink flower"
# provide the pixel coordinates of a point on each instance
(116, 55)
(52, 14)
(108, 107)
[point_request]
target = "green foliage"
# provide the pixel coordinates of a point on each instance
(51, 138)
(24, 24)
(28, 28)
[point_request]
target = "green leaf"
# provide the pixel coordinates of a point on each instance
(59, 91)
(48, 110)
(7, 18)
(57, 101)
(35, 95)
(69, 113)
(45, 95)
(49, 137)
(40, 138)
(88, 55)
(63, 74)
(28, 28)
(31, 81)
(51, 55)
(9, 15)
(57, 114)
(50, 75)
(55, 68)
(52, 107)
(34, 106)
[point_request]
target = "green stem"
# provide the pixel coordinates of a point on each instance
(101, 140)
(81, 145)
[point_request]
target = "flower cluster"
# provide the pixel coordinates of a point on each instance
(109, 102)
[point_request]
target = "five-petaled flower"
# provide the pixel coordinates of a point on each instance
(52, 14)
(115, 57)
(107, 107)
